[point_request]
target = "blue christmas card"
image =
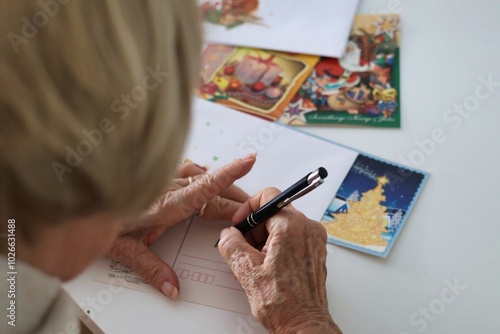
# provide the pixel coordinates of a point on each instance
(372, 205)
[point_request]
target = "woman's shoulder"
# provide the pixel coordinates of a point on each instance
(36, 302)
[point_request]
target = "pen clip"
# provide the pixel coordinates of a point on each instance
(314, 183)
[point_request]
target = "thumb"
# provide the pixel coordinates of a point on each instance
(135, 254)
(239, 254)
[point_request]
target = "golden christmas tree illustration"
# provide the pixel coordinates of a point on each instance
(365, 220)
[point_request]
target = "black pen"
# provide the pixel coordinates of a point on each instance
(303, 186)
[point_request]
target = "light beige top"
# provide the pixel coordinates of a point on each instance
(42, 306)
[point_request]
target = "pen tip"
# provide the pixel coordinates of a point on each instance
(217, 243)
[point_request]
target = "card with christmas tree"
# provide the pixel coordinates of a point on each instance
(362, 87)
(254, 81)
(372, 205)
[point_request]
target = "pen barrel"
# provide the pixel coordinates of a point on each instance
(270, 208)
(245, 225)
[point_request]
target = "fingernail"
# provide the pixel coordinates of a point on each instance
(251, 156)
(169, 290)
(223, 232)
(201, 167)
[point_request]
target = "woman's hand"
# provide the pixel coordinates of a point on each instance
(213, 193)
(285, 281)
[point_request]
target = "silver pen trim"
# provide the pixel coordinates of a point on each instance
(315, 182)
(252, 223)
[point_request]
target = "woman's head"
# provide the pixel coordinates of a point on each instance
(94, 105)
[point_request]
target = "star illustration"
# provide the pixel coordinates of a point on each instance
(215, 158)
(388, 26)
(295, 111)
(383, 180)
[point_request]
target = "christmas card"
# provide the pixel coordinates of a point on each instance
(372, 205)
(316, 27)
(255, 81)
(360, 88)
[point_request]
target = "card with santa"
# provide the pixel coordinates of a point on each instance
(360, 88)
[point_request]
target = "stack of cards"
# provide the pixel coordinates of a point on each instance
(315, 62)
(301, 65)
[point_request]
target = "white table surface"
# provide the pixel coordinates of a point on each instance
(453, 234)
(454, 231)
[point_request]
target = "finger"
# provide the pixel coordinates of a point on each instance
(288, 223)
(255, 203)
(190, 169)
(133, 253)
(189, 199)
(179, 183)
(235, 193)
(220, 208)
(196, 171)
(241, 257)
(258, 235)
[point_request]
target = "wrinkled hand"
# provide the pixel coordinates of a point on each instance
(180, 201)
(285, 281)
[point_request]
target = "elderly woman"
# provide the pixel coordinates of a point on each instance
(94, 102)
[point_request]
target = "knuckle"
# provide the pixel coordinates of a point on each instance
(120, 249)
(210, 184)
(151, 273)
(318, 233)
(245, 269)
(211, 178)
(321, 231)
(222, 177)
